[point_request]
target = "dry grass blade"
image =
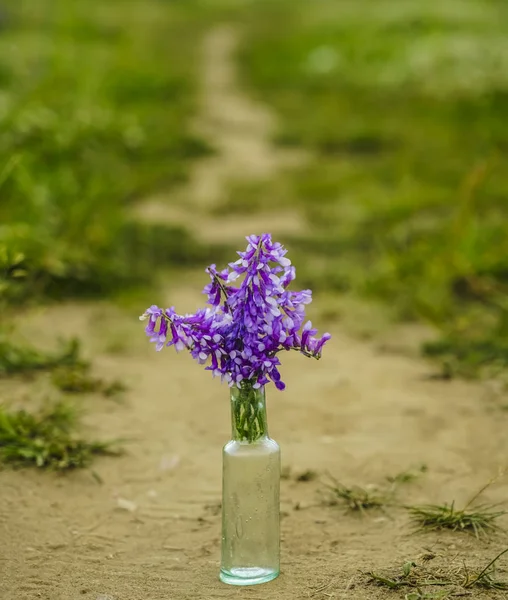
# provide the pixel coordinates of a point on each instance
(411, 576)
(451, 580)
(485, 578)
(420, 595)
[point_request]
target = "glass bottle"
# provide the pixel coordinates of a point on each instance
(250, 493)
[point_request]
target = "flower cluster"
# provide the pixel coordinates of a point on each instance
(240, 334)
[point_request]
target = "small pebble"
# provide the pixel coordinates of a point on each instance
(168, 463)
(126, 504)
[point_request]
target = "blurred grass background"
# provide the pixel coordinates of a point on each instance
(400, 105)
(403, 107)
(95, 104)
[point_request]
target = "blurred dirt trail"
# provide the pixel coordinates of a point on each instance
(239, 127)
(151, 531)
(240, 130)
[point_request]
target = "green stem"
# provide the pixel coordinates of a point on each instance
(249, 418)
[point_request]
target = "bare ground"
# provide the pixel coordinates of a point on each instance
(151, 531)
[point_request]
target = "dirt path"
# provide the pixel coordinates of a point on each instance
(240, 130)
(151, 531)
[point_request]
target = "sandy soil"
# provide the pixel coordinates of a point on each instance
(151, 531)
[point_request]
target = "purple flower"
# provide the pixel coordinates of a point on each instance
(240, 334)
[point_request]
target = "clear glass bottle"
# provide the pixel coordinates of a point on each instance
(250, 493)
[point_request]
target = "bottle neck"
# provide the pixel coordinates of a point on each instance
(248, 413)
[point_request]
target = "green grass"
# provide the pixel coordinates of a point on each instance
(305, 476)
(479, 519)
(407, 476)
(403, 109)
(363, 498)
(16, 358)
(47, 440)
(357, 498)
(77, 379)
(95, 113)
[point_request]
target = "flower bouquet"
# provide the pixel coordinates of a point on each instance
(250, 319)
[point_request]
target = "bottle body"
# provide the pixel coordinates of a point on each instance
(250, 500)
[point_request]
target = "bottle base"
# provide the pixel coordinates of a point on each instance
(247, 575)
